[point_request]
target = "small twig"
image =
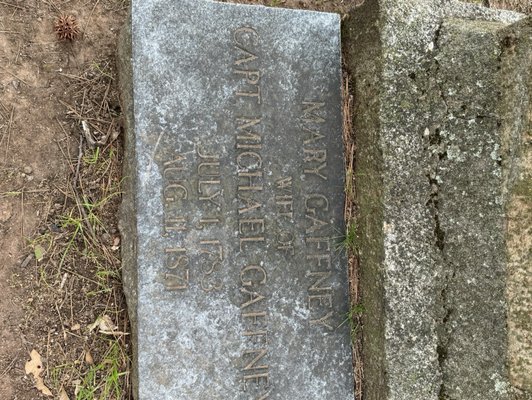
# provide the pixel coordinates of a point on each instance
(89, 19)
(104, 97)
(78, 165)
(53, 5)
(10, 124)
(83, 101)
(60, 148)
(19, 78)
(80, 276)
(81, 118)
(64, 155)
(77, 195)
(22, 215)
(12, 5)
(9, 367)
(18, 53)
(75, 77)
(61, 320)
(83, 213)
(71, 290)
(48, 351)
(26, 261)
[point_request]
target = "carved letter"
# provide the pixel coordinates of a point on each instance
(257, 377)
(252, 77)
(315, 155)
(251, 94)
(173, 166)
(175, 282)
(253, 226)
(322, 277)
(252, 365)
(213, 169)
(309, 114)
(318, 241)
(246, 36)
(202, 224)
(255, 316)
(181, 261)
(207, 156)
(175, 225)
(181, 193)
(250, 184)
(284, 184)
(314, 136)
(285, 241)
(316, 202)
(248, 135)
(249, 204)
(323, 321)
(249, 160)
(246, 281)
(254, 297)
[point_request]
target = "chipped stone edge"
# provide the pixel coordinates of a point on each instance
(128, 220)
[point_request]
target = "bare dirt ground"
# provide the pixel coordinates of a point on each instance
(60, 163)
(59, 267)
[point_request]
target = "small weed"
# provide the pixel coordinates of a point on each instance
(349, 185)
(350, 240)
(101, 70)
(93, 157)
(73, 223)
(353, 318)
(106, 379)
(10, 194)
(44, 241)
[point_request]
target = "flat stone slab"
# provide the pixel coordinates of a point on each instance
(236, 281)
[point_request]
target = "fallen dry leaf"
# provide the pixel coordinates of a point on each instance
(116, 243)
(106, 326)
(63, 395)
(77, 386)
(39, 384)
(88, 358)
(35, 367)
(39, 252)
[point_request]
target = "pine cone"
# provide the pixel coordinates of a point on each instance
(66, 27)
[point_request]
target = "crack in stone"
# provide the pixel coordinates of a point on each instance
(437, 147)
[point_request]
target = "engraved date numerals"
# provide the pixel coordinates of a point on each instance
(212, 257)
(177, 267)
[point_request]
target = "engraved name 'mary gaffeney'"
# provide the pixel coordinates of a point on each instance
(236, 183)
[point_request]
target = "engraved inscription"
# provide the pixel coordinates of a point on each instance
(180, 189)
(251, 224)
(235, 198)
(315, 156)
(318, 216)
(284, 204)
(176, 275)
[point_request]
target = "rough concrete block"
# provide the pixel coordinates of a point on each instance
(432, 192)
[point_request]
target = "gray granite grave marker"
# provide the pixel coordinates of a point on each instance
(233, 213)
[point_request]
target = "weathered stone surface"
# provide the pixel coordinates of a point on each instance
(234, 199)
(516, 126)
(432, 191)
